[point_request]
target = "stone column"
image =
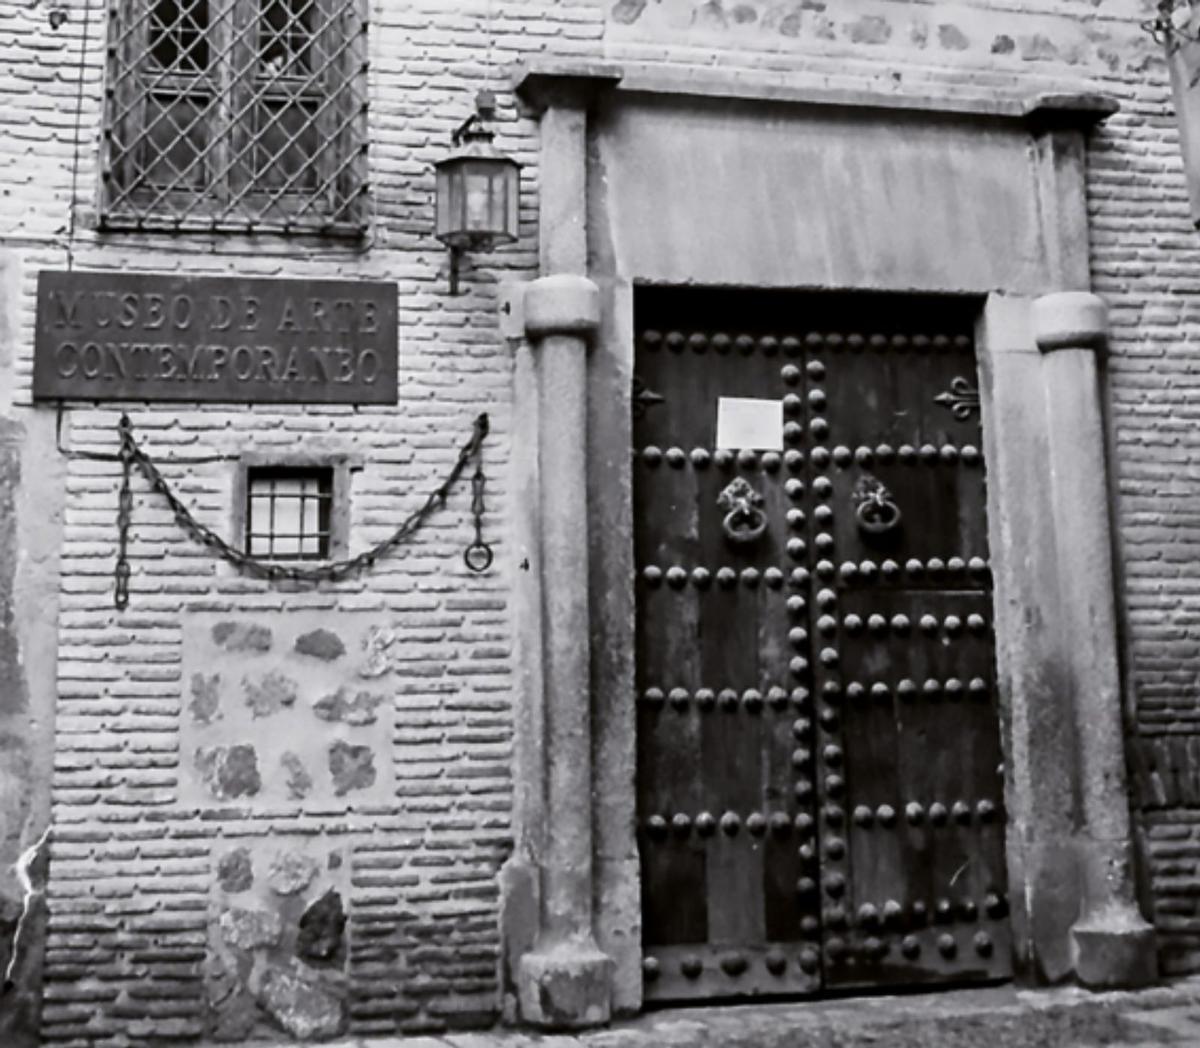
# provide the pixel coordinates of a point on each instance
(1039, 734)
(565, 979)
(1113, 944)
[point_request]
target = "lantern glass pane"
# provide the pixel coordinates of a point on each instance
(496, 200)
(512, 201)
(449, 199)
(478, 215)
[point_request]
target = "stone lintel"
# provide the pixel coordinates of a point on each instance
(545, 84)
(541, 85)
(1051, 112)
(563, 304)
(1070, 320)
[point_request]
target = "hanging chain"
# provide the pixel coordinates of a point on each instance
(131, 454)
(478, 555)
(124, 515)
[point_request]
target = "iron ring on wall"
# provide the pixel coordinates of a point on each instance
(478, 556)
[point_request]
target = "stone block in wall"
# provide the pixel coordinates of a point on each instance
(285, 709)
(278, 942)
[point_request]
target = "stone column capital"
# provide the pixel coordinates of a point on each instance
(1070, 320)
(563, 304)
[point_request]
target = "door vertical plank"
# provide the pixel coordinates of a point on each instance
(668, 628)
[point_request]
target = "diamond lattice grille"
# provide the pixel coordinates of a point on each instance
(236, 115)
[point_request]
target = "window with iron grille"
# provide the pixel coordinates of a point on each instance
(236, 115)
(289, 512)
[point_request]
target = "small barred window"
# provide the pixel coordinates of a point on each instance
(288, 516)
(236, 115)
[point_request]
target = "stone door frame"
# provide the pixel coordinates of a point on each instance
(570, 894)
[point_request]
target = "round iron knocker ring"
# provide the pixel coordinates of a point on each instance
(478, 556)
(875, 516)
(753, 524)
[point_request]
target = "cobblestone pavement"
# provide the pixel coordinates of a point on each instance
(1162, 1017)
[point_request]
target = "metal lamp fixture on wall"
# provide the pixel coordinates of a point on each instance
(477, 189)
(1176, 26)
(1173, 19)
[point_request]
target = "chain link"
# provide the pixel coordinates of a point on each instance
(131, 454)
(124, 515)
(478, 555)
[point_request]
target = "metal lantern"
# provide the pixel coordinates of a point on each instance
(1173, 18)
(1176, 25)
(477, 190)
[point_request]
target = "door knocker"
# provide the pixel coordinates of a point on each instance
(875, 509)
(744, 520)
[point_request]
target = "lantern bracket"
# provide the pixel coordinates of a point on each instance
(475, 126)
(1174, 23)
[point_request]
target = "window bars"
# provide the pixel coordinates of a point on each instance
(288, 516)
(236, 115)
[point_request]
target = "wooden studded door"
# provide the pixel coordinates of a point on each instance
(819, 778)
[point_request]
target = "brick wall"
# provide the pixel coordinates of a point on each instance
(137, 887)
(136, 946)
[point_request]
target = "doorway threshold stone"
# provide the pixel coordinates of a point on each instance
(1165, 1016)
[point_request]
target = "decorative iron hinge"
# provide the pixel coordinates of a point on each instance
(961, 398)
(643, 397)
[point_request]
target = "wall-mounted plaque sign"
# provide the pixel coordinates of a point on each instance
(143, 336)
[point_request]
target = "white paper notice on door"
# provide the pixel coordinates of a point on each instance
(747, 422)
